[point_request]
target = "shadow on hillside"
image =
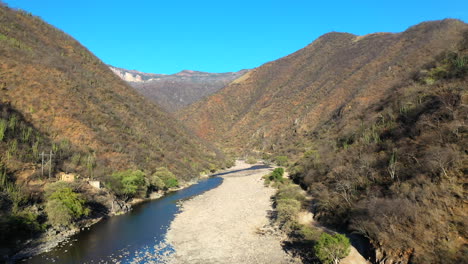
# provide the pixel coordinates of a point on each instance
(363, 246)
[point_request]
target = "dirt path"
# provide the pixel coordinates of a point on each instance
(221, 226)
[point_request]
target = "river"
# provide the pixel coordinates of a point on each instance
(125, 238)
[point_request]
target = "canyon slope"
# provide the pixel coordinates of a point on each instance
(179, 90)
(338, 75)
(57, 96)
(65, 119)
(374, 127)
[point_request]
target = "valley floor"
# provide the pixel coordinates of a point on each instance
(223, 225)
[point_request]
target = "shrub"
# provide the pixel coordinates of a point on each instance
(156, 182)
(127, 184)
(287, 211)
(290, 191)
(64, 206)
(172, 183)
(266, 178)
(277, 175)
(3, 127)
(14, 192)
(230, 163)
(19, 225)
(331, 248)
(266, 156)
(457, 64)
(281, 160)
(55, 213)
(169, 179)
(308, 233)
(251, 160)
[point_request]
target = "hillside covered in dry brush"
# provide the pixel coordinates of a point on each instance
(374, 127)
(57, 98)
(67, 93)
(175, 91)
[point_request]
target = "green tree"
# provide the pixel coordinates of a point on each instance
(18, 226)
(64, 206)
(127, 183)
(331, 248)
(169, 179)
(156, 182)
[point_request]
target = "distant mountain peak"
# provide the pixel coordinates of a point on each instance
(134, 75)
(174, 91)
(188, 72)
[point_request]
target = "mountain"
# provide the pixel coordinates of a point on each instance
(337, 74)
(60, 101)
(68, 94)
(176, 91)
(133, 76)
(374, 127)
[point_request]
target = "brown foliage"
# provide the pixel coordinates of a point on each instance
(176, 91)
(65, 92)
(335, 78)
(377, 127)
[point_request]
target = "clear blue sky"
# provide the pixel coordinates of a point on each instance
(219, 36)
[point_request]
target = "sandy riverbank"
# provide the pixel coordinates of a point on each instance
(221, 226)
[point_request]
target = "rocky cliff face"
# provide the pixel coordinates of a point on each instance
(133, 76)
(179, 90)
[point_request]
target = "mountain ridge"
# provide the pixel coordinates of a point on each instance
(327, 44)
(373, 127)
(64, 95)
(175, 91)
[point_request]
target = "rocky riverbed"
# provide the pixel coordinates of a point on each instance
(227, 224)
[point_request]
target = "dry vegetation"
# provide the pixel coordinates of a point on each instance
(277, 104)
(176, 91)
(56, 96)
(399, 177)
(374, 128)
(67, 93)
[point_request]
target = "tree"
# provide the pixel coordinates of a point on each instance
(156, 182)
(127, 183)
(169, 179)
(441, 159)
(64, 206)
(331, 248)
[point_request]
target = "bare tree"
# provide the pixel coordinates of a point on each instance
(440, 159)
(345, 189)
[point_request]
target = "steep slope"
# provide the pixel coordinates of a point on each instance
(176, 91)
(338, 74)
(374, 128)
(68, 94)
(59, 101)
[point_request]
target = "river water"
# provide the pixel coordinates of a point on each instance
(125, 238)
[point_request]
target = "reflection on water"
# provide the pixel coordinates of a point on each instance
(130, 238)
